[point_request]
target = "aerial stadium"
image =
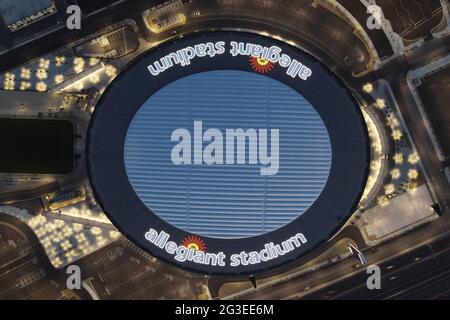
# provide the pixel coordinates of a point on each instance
(227, 153)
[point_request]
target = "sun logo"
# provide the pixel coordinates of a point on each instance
(194, 242)
(261, 65)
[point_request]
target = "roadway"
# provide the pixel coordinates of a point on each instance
(346, 55)
(396, 73)
(334, 42)
(342, 278)
(28, 194)
(62, 36)
(413, 275)
(422, 141)
(25, 271)
(317, 256)
(119, 271)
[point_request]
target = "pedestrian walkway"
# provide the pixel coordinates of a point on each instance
(398, 215)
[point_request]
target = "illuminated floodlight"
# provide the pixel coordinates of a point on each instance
(78, 64)
(393, 122)
(398, 158)
(77, 227)
(413, 174)
(41, 86)
(389, 188)
(41, 74)
(381, 103)
(93, 61)
(94, 78)
(96, 231)
(397, 135)
(413, 158)
(9, 82)
(60, 60)
(78, 86)
(66, 245)
(111, 71)
(10, 76)
(9, 85)
(44, 63)
(395, 173)
(368, 88)
(59, 78)
(25, 85)
(25, 73)
(114, 234)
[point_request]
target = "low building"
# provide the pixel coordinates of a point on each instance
(17, 14)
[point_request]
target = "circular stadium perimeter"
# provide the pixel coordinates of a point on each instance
(227, 153)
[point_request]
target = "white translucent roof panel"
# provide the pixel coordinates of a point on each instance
(227, 200)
